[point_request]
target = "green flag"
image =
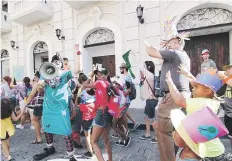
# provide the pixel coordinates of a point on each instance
(126, 59)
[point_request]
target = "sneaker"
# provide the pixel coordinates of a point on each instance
(115, 136)
(32, 127)
(154, 141)
(127, 142)
(136, 126)
(77, 146)
(47, 152)
(19, 126)
(72, 158)
(88, 155)
(143, 137)
(228, 156)
(119, 142)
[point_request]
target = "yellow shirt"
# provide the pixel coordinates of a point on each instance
(7, 127)
(194, 104)
(214, 147)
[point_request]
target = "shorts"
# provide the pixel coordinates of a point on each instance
(76, 123)
(22, 105)
(38, 111)
(228, 124)
(103, 118)
(149, 110)
(87, 125)
(7, 136)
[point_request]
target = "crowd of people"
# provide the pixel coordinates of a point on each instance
(96, 102)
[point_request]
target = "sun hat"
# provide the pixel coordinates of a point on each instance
(201, 131)
(170, 32)
(205, 51)
(118, 80)
(123, 65)
(209, 79)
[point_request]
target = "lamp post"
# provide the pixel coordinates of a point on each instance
(139, 11)
(58, 35)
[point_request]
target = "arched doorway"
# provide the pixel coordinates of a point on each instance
(40, 55)
(209, 29)
(5, 66)
(100, 49)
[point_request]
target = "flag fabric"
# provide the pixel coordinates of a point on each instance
(127, 61)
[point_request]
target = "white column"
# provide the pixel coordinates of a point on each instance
(230, 45)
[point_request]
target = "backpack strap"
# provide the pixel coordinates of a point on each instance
(153, 92)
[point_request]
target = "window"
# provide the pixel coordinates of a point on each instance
(5, 66)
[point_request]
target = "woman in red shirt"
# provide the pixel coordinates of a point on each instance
(103, 120)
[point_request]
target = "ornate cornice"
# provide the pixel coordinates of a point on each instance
(99, 36)
(205, 17)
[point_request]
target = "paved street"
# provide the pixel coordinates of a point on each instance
(22, 150)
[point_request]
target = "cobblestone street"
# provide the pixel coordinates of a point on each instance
(23, 150)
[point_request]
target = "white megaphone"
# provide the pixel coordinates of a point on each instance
(48, 70)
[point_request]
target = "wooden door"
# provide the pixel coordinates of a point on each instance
(217, 44)
(108, 62)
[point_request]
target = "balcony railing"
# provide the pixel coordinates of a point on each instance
(22, 10)
(5, 22)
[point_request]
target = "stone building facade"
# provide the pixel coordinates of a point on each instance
(102, 31)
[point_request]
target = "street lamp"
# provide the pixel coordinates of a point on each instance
(58, 34)
(139, 11)
(12, 43)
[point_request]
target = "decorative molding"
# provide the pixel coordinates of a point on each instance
(95, 14)
(41, 47)
(205, 17)
(100, 36)
(5, 54)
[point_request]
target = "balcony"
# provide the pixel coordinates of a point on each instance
(5, 22)
(80, 4)
(27, 12)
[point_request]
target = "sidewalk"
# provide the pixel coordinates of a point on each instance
(138, 150)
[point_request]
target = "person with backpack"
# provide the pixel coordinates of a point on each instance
(147, 92)
(130, 93)
(117, 108)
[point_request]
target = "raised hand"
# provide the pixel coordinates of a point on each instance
(183, 70)
(168, 77)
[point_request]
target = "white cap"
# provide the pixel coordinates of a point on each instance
(205, 51)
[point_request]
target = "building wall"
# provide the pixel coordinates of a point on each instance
(77, 24)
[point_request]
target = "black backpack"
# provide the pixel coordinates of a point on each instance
(157, 91)
(132, 94)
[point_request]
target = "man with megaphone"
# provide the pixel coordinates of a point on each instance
(56, 115)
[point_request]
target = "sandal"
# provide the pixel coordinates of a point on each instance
(36, 142)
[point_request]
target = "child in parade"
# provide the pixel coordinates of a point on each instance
(204, 88)
(103, 120)
(85, 101)
(7, 127)
(192, 132)
(75, 118)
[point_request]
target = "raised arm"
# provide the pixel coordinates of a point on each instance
(177, 97)
(32, 94)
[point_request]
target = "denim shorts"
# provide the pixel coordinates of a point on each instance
(103, 118)
(87, 125)
(149, 110)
